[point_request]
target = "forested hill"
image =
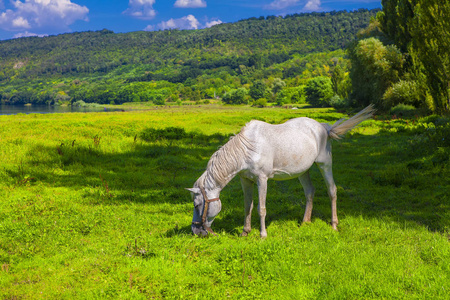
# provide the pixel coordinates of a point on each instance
(175, 56)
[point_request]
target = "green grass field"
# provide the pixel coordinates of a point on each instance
(93, 206)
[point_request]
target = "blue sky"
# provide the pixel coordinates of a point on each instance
(19, 18)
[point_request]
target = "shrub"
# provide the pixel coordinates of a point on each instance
(403, 110)
(338, 102)
(261, 102)
(159, 100)
(404, 91)
(79, 103)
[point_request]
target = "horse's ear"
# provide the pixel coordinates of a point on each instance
(194, 190)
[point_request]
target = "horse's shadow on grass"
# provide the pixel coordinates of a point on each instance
(177, 231)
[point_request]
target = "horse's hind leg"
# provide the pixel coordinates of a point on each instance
(309, 190)
(327, 173)
(247, 187)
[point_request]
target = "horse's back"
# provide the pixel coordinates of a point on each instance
(286, 150)
(295, 130)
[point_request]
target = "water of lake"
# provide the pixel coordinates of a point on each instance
(45, 109)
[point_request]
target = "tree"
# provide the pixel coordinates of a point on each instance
(430, 29)
(61, 96)
(395, 21)
(375, 68)
(257, 90)
(319, 91)
(421, 28)
(277, 86)
(298, 94)
(340, 83)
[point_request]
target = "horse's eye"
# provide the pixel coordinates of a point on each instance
(197, 204)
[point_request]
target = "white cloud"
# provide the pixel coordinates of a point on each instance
(27, 34)
(281, 4)
(42, 15)
(212, 23)
(149, 28)
(20, 22)
(187, 22)
(312, 5)
(141, 9)
(190, 3)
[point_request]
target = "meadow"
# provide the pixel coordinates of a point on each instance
(93, 205)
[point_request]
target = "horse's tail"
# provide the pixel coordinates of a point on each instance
(338, 129)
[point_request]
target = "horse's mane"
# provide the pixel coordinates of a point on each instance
(229, 157)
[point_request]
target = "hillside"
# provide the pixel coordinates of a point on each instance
(106, 67)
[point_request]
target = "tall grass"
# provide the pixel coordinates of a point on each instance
(93, 206)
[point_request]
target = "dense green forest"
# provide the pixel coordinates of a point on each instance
(266, 59)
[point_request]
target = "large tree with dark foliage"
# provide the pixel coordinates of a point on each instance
(420, 30)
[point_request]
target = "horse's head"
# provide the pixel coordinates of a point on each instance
(206, 208)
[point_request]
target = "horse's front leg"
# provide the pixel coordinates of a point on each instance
(247, 188)
(262, 192)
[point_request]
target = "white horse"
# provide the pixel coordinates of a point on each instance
(263, 151)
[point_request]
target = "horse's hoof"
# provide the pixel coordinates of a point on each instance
(305, 223)
(199, 231)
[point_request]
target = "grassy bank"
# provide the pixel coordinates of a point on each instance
(93, 206)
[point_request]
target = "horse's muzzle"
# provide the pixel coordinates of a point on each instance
(199, 230)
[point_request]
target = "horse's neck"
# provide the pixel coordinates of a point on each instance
(211, 183)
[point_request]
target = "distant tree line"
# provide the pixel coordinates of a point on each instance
(281, 53)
